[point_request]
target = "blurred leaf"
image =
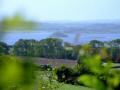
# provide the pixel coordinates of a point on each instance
(15, 73)
(94, 64)
(17, 22)
(92, 81)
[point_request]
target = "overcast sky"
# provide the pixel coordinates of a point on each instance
(63, 10)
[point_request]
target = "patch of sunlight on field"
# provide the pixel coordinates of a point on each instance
(73, 87)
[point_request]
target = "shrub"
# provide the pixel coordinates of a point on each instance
(45, 67)
(67, 75)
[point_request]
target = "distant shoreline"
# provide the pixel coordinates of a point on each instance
(77, 33)
(71, 38)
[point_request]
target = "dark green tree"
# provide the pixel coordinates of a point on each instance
(4, 48)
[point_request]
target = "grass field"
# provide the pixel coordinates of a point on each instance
(73, 87)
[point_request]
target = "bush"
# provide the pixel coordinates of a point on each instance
(45, 67)
(67, 75)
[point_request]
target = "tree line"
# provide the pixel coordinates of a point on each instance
(58, 49)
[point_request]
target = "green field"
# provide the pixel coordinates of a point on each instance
(73, 87)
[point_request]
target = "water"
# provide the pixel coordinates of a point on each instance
(76, 33)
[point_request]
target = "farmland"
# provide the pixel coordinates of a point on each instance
(52, 62)
(55, 62)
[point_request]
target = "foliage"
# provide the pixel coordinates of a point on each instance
(15, 74)
(94, 73)
(102, 77)
(96, 43)
(48, 48)
(45, 67)
(67, 75)
(47, 81)
(57, 49)
(3, 48)
(91, 70)
(24, 48)
(16, 22)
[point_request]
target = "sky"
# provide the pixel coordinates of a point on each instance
(63, 10)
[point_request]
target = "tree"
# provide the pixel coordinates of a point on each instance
(115, 50)
(96, 44)
(48, 48)
(115, 43)
(4, 49)
(52, 48)
(24, 47)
